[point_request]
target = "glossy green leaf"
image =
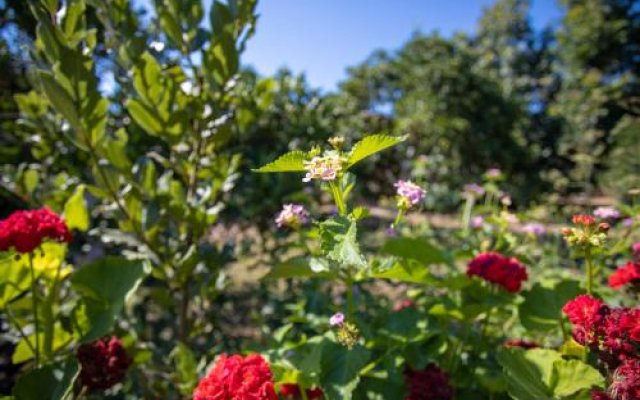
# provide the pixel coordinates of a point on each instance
(290, 162)
(60, 99)
(171, 27)
(145, 117)
(51, 382)
(104, 286)
(371, 145)
(541, 309)
(76, 214)
(544, 374)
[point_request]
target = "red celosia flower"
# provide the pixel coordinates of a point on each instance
(587, 314)
(103, 363)
(635, 249)
(621, 330)
(584, 220)
(597, 394)
(237, 378)
(628, 273)
(430, 383)
(26, 230)
(292, 391)
(626, 381)
(496, 268)
(402, 304)
(525, 344)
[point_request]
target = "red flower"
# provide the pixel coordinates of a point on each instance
(621, 330)
(584, 220)
(402, 304)
(597, 394)
(103, 363)
(292, 391)
(635, 249)
(587, 315)
(237, 378)
(496, 268)
(26, 230)
(430, 383)
(626, 381)
(628, 273)
(525, 344)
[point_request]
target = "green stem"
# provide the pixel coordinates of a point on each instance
(303, 392)
(34, 304)
(564, 332)
(399, 217)
(350, 302)
(336, 191)
(589, 266)
(466, 215)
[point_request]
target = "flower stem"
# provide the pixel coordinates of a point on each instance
(336, 191)
(350, 303)
(34, 304)
(589, 266)
(398, 219)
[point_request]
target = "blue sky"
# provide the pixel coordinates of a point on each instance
(323, 37)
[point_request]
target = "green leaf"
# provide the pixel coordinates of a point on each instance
(186, 368)
(415, 249)
(60, 99)
(146, 118)
(412, 272)
(15, 278)
(171, 27)
(23, 352)
(339, 241)
(341, 369)
(290, 162)
(544, 374)
(572, 376)
(541, 309)
(528, 372)
(76, 214)
(52, 382)
(104, 286)
(371, 145)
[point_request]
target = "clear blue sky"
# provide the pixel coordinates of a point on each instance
(323, 37)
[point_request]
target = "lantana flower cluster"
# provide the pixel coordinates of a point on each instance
(326, 168)
(292, 216)
(614, 335)
(409, 194)
(506, 272)
(347, 334)
(103, 363)
(26, 230)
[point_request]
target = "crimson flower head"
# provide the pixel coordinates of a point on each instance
(597, 394)
(583, 219)
(625, 275)
(25, 230)
(587, 315)
(431, 383)
(237, 378)
(103, 363)
(292, 391)
(496, 268)
(621, 334)
(626, 380)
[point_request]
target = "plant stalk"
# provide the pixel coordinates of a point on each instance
(34, 305)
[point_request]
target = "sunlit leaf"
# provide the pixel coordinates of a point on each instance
(290, 162)
(371, 145)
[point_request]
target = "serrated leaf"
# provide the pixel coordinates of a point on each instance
(339, 241)
(290, 162)
(371, 145)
